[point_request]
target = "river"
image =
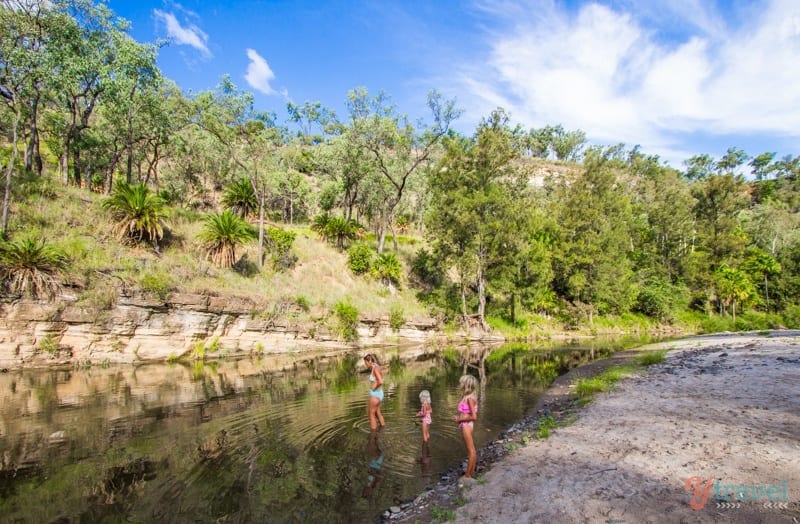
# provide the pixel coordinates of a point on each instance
(282, 438)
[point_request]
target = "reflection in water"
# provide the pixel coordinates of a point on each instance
(280, 440)
(374, 464)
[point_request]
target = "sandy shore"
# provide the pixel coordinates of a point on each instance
(721, 416)
(717, 427)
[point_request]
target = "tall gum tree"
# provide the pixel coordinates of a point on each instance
(398, 150)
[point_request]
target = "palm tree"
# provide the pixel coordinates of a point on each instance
(31, 267)
(222, 233)
(139, 213)
(240, 197)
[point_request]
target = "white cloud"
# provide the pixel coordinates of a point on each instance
(620, 77)
(190, 34)
(259, 74)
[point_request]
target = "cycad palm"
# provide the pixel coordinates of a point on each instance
(222, 233)
(139, 213)
(31, 267)
(240, 198)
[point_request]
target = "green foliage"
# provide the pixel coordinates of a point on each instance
(427, 270)
(791, 317)
(302, 302)
(658, 299)
(347, 320)
(442, 514)
(157, 283)
(339, 231)
(222, 234)
(585, 388)
(49, 345)
(545, 425)
(31, 267)
(240, 198)
(396, 317)
(388, 269)
(359, 258)
(138, 213)
(279, 242)
(651, 357)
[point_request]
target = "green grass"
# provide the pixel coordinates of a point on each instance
(545, 426)
(586, 388)
(101, 266)
(651, 357)
(442, 514)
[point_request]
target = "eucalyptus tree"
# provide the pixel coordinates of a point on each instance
(250, 137)
(83, 51)
(132, 97)
(20, 69)
(476, 194)
(397, 149)
(309, 116)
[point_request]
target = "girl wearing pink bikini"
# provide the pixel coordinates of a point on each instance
(467, 414)
(425, 413)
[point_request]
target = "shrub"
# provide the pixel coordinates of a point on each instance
(656, 300)
(49, 345)
(791, 317)
(347, 320)
(302, 302)
(396, 318)
(138, 213)
(427, 270)
(279, 243)
(240, 198)
(31, 267)
(359, 258)
(337, 230)
(222, 234)
(388, 269)
(157, 283)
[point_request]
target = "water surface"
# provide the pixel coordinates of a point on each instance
(278, 439)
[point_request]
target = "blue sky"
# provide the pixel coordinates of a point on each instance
(677, 77)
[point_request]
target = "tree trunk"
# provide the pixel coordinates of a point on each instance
(261, 229)
(481, 294)
(381, 235)
(9, 173)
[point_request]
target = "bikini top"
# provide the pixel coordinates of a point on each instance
(463, 407)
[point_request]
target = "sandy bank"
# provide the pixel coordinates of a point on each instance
(722, 408)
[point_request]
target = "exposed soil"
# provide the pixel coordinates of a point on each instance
(723, 413)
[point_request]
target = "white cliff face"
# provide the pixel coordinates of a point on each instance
(34, 334)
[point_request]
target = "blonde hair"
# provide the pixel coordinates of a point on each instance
(425, 396)
(469, 385)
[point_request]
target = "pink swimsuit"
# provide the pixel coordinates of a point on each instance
(426, 417)
(463, 407)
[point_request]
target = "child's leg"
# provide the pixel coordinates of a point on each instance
(425, 432)
(380, 415)
(472, 457)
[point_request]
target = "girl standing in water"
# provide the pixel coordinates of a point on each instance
(425, 413)
(375, 391)
(467, 415)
